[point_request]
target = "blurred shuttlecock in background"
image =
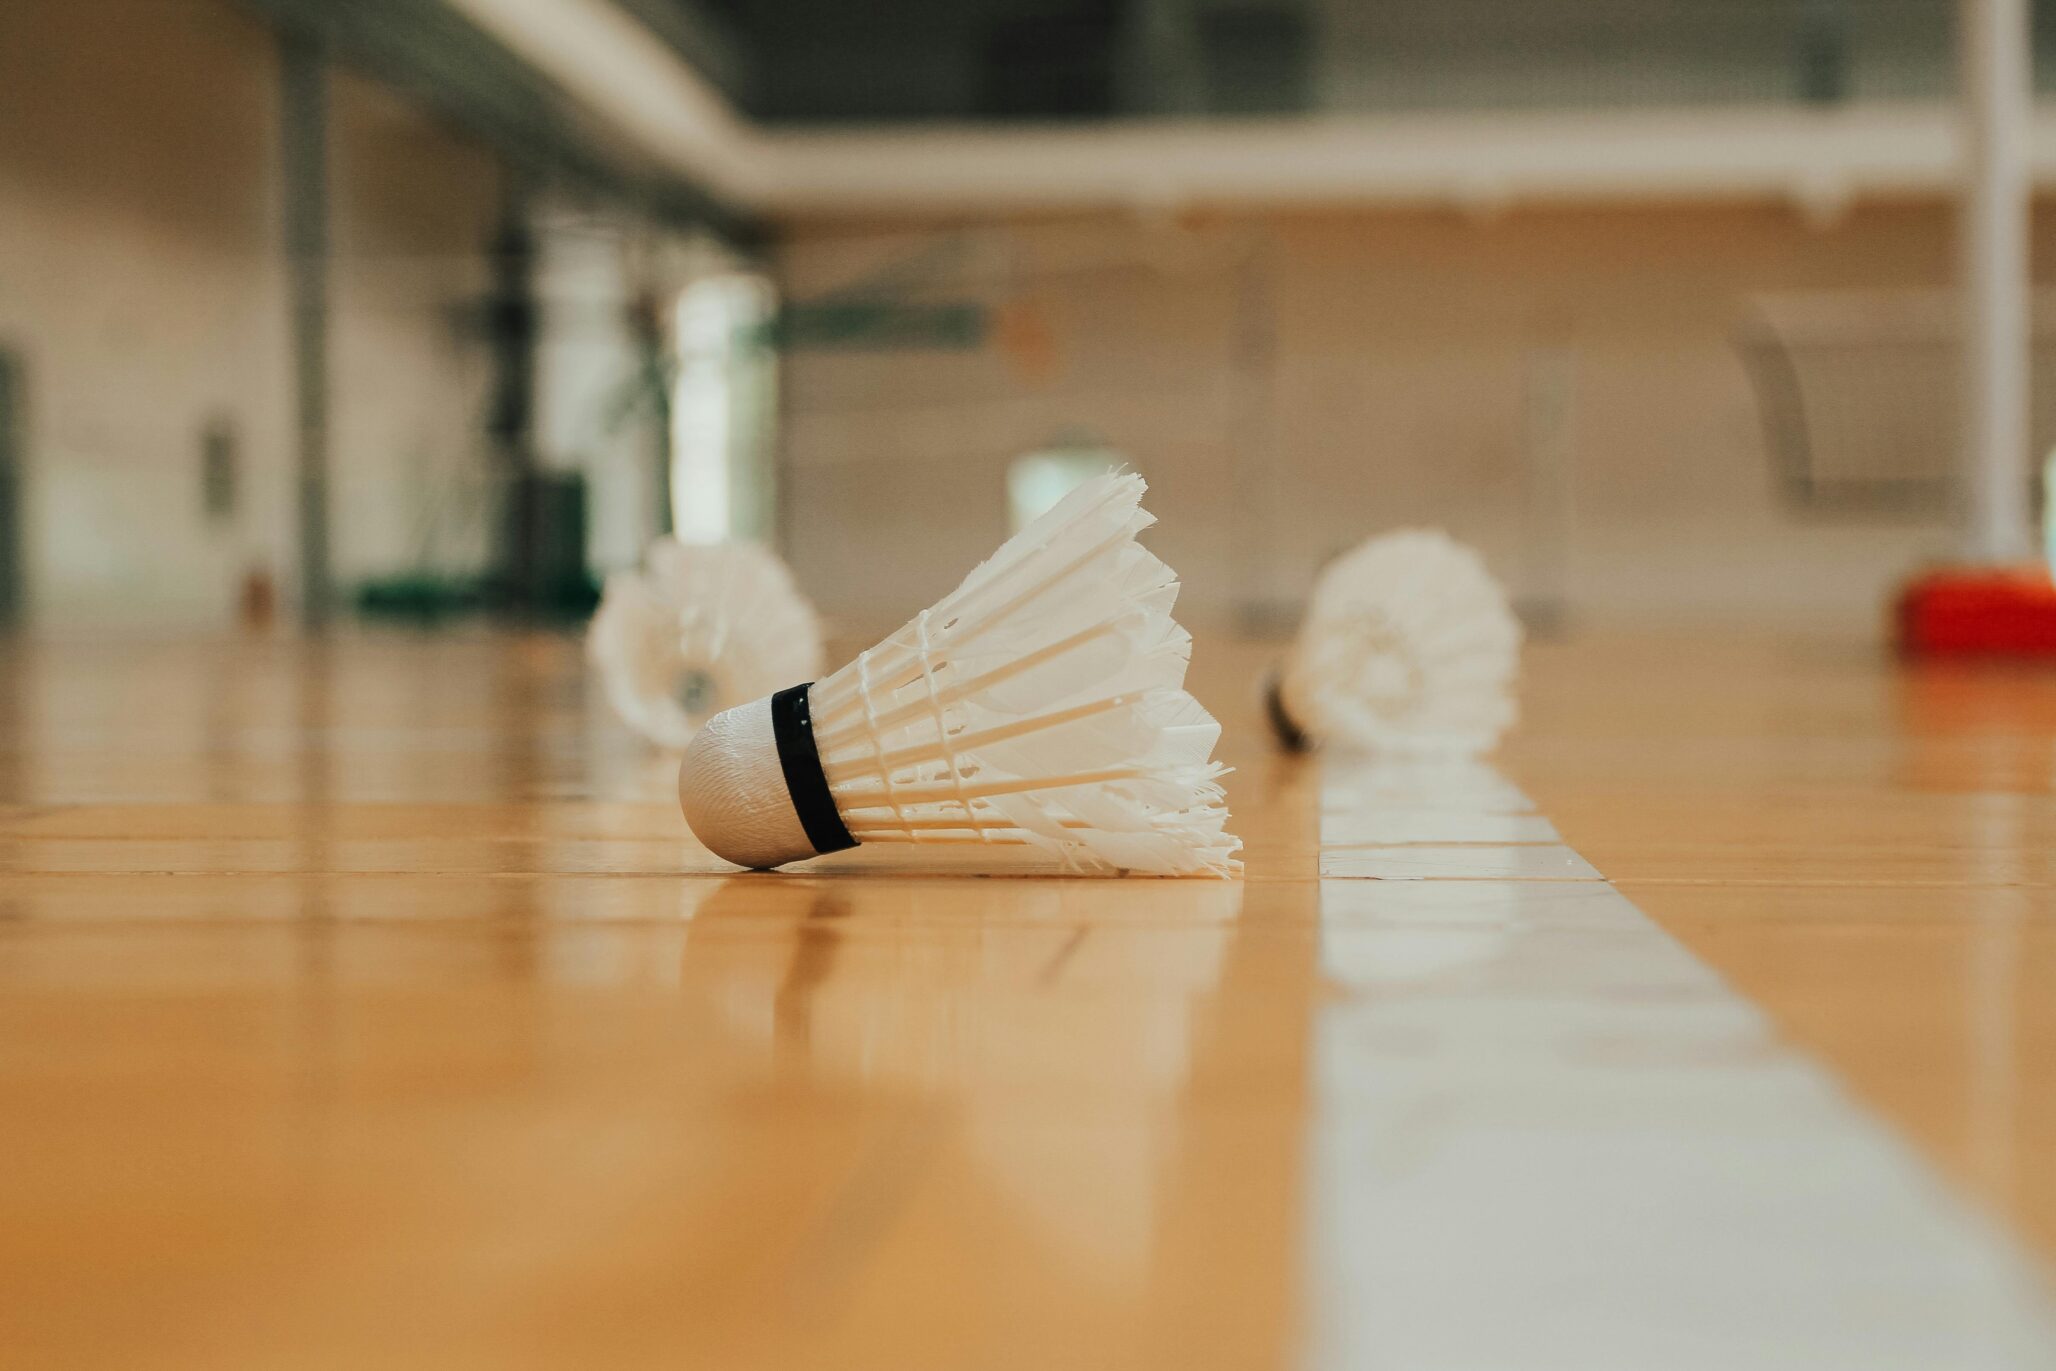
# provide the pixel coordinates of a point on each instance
(1409, 647)
(1041, 702)
(699, 628)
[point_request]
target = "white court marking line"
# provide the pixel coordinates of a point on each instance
(1545, 1135)
(1358, 787)
(1381, 827)
(1477, 861)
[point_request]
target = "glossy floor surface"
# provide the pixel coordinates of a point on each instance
(365, 1003)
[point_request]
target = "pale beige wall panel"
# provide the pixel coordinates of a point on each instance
(140, 222)
(1404, 353)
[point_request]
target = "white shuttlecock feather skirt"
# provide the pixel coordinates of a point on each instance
(1041, 702)
(1409, 647)
(699, 628)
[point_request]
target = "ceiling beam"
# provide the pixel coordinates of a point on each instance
(624, 76)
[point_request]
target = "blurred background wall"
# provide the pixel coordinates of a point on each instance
(1564, 387)
(145, 307)
(1727, 402)
(142, 299)
(145, 299)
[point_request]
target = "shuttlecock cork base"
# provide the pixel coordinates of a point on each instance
(1284, 728)
(758, 796)
(1041, 704)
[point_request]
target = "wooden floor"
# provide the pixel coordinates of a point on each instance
(366, 1003)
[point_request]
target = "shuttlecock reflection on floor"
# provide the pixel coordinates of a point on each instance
(697, 629)
(1409, 648)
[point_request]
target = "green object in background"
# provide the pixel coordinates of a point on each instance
(542, 559)
(420, 598)
(877, 324)
(541, 574)
(426, 598)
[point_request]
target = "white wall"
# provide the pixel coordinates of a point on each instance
(596, 269)
(1405, 348)
(141, 283)
(413, 209)
(142, 290)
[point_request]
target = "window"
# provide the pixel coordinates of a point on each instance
(722, 409)
(1035, 482)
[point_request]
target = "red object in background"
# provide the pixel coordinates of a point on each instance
(1980, 611)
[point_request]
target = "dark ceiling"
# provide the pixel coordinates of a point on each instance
(844, 60)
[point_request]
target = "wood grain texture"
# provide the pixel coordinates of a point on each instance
(368, 1003)
(1863, 846)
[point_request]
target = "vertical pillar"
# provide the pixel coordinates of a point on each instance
(303, 91)
(13, 490)
(1252, 432)
(1997, 63)
(533, 515)
(1548, 484)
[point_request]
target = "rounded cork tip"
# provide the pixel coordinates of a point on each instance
(731, 788)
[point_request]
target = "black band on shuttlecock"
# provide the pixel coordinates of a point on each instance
(1290, 735)
(792, 726)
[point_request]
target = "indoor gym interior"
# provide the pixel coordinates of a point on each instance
(365, 1000)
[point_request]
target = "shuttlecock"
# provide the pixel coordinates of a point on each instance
(1409, 647)
(1041, 702)
(701, 628)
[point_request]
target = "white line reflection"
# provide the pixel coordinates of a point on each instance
(1546, 1135)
